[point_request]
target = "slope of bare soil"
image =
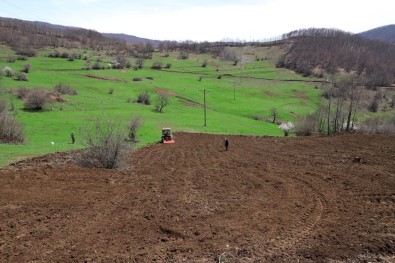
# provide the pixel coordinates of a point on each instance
(323, 199)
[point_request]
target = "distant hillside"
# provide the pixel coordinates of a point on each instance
(132, 39)
(384, 33)
(319, 51)
(27, 36)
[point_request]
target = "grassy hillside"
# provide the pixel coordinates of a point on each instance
(253, 88)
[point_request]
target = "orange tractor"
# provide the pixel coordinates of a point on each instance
(167, 136)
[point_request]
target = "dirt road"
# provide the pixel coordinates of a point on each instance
(265, 200)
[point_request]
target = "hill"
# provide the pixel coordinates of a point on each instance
(322, 51)
(384, 33)
(26, 37)
(132, 39)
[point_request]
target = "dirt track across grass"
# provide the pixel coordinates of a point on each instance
(265, 200)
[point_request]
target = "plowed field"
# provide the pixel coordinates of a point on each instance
(319, 199)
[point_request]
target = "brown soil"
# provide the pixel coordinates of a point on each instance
(105, 78)
(265, 200)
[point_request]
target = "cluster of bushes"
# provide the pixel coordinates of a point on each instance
(20, 76)
(64, 89)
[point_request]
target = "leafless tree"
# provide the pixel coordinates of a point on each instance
(106, 144)
(35, 100)
(274, 114)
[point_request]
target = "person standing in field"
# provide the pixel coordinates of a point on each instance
(226, 143)
(72, 138)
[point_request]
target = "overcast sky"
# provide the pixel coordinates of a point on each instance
(202, 20)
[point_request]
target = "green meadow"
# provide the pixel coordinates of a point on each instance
(234, 94)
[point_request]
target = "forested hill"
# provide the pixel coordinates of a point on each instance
(384, 33)
(26, 37)
(132, 39)
(320, 51)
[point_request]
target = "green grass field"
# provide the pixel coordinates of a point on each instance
(253, 88)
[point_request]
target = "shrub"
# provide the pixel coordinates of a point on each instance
(97, 66)
(64, 54)
(286, 127)
(144, 98)
(26, 67)
(64, 89)
(7, 71)
(26, 52)
(377, 126)
(168, 65)
(307, 126)
(21, 93)
(11, 59)
(157, 65)
(150, 78)
(21, 58)
(35, 100)
(106, 145)
(111, 91)
(137, 79)
(71, 57)
(133, 126)
(21, 76)
(204, 64)
(11, 131)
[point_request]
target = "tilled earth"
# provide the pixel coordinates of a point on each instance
(318, 199)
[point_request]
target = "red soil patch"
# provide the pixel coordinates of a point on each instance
(265, 200)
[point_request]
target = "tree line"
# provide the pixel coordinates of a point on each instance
(327, 51)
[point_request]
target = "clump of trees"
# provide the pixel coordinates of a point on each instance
(319, 51)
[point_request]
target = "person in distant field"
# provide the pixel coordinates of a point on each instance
(226, 143)
(72, 138)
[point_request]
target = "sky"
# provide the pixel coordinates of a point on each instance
(205, 20)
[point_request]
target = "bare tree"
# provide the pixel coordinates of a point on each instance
(274, 114)
(106, 144)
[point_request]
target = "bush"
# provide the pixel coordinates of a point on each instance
(11, 131)
(144, 98)
(133, 126)
(137, 79)
(21, 58)
(11, 59)
(157, 65)
(111, 91)
(377, 126)
(168, 65)
(150, 78)
(204, 64)
(7, 71)
(71, 57)
(64, 89)
(26, 52)
(307, 126)
(97, 66)
(26, 67)
(35, 100)
(106, 145)
(21, 93)
(21, 76)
